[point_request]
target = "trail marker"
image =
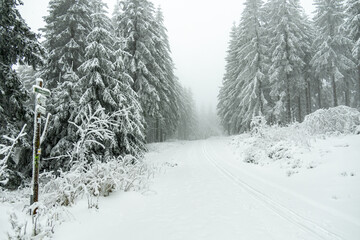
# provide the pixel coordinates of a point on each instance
(40, 103)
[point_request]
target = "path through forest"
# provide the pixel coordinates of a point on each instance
(206, 193)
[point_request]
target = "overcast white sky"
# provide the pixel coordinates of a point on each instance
(198, 32)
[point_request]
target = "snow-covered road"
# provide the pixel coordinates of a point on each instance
(206, 193)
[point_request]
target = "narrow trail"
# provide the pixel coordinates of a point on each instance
(198, 197)
(302, 222)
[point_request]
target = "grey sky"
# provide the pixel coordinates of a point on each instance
(198, 32)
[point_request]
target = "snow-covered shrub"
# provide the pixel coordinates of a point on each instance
(64, 189)
(94, 180)
(279, 150)
(94, 131)
(258, 125)
(335, 120)
(18, 228)
(269, 144)
(37, 226)
(45, 219)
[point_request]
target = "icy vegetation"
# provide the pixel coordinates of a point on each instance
(268, 144)
(57, 192)
(92, 175)
(338, 120)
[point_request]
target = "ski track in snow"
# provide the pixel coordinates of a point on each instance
(205, 193)
(284, 212)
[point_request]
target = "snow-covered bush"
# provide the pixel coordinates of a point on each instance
(267, 144)
(18, 228)
(258, 125)
(94, 180)
(335, 120)
(94, 132)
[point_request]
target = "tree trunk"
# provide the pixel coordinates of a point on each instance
(333, 84)
(319, 93)
(347, 94)
(299, 109)
(260, 99)
(308, 97)
(157, 136)
(358, 102)
(288, 100)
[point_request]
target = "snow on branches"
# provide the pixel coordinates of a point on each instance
(6, 151)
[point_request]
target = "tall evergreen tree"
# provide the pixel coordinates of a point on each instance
(331, 61)
(288, 41)
(352, 28)
(27, 76)
(148, 62)
(101, 89)
(135, 25)
(187, 128)
(18, 44)
(67, 26)
(66, 29)
(226, 93)
(252, 54)
(169, 88)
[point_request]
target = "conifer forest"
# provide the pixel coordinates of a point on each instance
(92, 106)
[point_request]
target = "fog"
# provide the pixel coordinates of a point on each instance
(198, 33)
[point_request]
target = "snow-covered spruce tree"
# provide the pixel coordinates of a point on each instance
(352, 29)
(226, 97)
(147, 59)
(331, 61)
(27, 76)
(18, 44)
(60, 136)
(67, 26)
(289, 40)
(252, 57)
(167, 118)
(187, 128)
(102, 88)
(310, 94)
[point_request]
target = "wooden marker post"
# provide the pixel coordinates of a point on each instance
(41, 94)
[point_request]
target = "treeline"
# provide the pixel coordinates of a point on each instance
(119, 68)
(283, 66)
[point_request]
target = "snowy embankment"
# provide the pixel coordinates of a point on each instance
(275, 183)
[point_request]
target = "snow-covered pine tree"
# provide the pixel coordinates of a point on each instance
(61, 135)
(226, 93)
(310, 94)
(187, 128)
(102, 88)
(135, 24)
(66, 29)
(289, 41)
(331, 61)
(27, 76)
(169, 89)
(18, 44)
(67, 26)
(352, 28)
(251, 54)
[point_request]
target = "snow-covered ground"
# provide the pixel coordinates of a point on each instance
(206, 191)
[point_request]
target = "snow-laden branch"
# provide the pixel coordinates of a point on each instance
(7, 150)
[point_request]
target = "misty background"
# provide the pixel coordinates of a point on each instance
(198, 37)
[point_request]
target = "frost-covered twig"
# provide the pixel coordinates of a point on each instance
(7, 150)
